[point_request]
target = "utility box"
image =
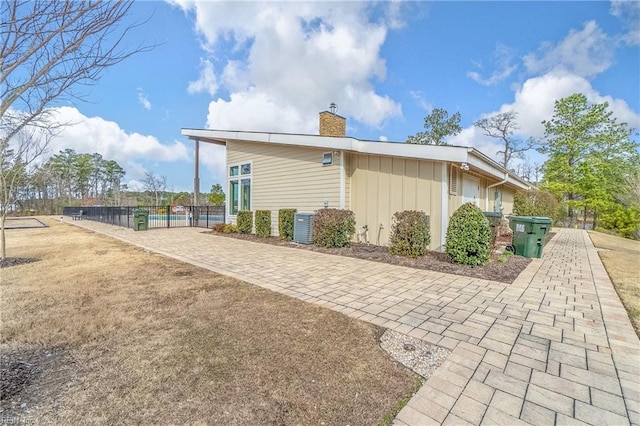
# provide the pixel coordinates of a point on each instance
(494, 219)
(529, 234)
(140, 220)
(303, 228)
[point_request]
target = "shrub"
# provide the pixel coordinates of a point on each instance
(245, 221)
(410, 233)
(333, 227)
(219, 227)
(535, 202)
(623, 220)
(263, 223)
(286, 219)
(468, 236)
(230, 229)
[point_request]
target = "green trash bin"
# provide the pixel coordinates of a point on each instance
(494, 219)
(529, 234)
(140, 220)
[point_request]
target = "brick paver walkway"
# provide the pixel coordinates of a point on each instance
(554, 347)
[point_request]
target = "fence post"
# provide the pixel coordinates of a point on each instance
(168, 210)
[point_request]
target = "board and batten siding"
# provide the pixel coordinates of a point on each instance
(381, 186)
(285, 177)
(487, 195)
(507, 199)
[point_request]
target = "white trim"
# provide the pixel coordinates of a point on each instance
(343, 189)
(445, 206)
(453, 154)
(239, 177)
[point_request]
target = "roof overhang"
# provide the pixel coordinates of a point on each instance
(452, 154)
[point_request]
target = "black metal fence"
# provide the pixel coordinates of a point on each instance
(159, 216)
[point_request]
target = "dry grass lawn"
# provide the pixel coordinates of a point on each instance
(103, 332)
(621, 259)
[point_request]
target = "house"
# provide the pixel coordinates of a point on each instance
(271, 171)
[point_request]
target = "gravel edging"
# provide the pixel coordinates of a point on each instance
(419, 356)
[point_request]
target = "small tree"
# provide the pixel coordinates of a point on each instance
(437, 126)
(468, 236)
(216, 197)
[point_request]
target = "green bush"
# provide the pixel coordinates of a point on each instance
(468, 236)
(286, 219)
(333, 227)
(535, 202)
(410, 234)
(230, 229)
(245, 221)
(625, 221)
(263, 223)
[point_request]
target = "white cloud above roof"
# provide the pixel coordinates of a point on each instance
(289, 60)
(586, 53)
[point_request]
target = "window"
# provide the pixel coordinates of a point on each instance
(327, 158)
(239, 188)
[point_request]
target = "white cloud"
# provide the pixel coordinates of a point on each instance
(213, 157)
(534, 101)
(587, 52)
(285, 62)
(629, 13)
(502, 58)
(143, 99)
(383, 138)
(95, 134)
(207, 81)
(419, 97)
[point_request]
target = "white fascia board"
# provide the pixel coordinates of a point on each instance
(427, 152)
(484, 163)
(424, 152)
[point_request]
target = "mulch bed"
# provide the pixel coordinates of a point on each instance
(495, 270)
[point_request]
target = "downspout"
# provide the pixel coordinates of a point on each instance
(343, 181)
(506, 178)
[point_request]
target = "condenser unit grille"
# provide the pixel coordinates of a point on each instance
(303, 228)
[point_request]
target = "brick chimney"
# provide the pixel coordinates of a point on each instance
(331, 124)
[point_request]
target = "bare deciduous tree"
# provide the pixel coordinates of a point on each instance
(502, 126)
(155, 184)
(47, 50)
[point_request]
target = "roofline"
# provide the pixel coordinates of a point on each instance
(448, 153)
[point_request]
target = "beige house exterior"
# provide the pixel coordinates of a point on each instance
(272, 171)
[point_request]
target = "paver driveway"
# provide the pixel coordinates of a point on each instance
(554, 347)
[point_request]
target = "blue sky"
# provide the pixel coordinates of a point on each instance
(275, 66)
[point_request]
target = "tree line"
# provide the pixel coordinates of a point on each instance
(68, 178)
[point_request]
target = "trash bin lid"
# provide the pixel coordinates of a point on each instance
(533, 219)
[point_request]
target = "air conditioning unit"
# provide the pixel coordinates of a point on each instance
(303, 228)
